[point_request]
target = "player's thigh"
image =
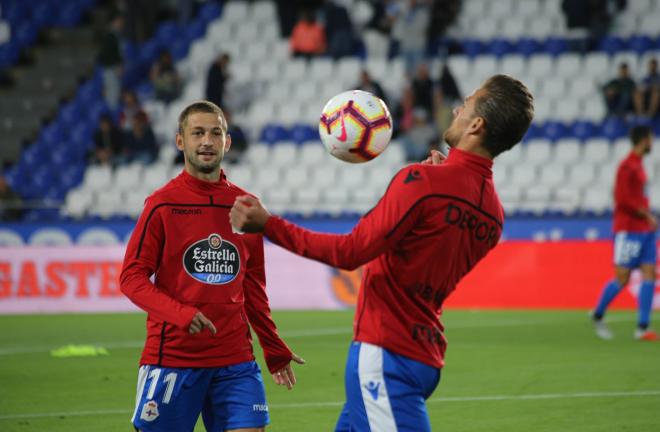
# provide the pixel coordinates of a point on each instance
(387, 392)
(628, 248)
(169, 399)
(409, 383)
(236, 399)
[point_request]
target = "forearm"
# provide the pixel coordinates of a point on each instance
(144, 294)
(337, 250)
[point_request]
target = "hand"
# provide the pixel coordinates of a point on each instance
(198, 323)
(435, 158)
(248, 215)
(285, 376)
(653, 221)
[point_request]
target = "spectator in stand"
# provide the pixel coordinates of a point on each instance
(239, 142)
(109, 146)
(447, 96)
(589, 20)
(308, 37)
(379, 28)
(619, 93)
(410, 30)
(403, 113)
(141, 18)
(338, 30)
(141, 141)
(130, 106)
(110, 60)
(217, 78)
(370, 85)
(647, 95)
(165, 78)
(10, 202)
(417, 140)
(443, 14)
(422, 86)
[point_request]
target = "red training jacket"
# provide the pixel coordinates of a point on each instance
(630, 196)
(184, 238)
(434, 223)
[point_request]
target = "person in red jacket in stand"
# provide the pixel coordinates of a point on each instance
(635, 241)
(430, 228)
(208, 289)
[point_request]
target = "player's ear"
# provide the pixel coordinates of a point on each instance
(179, 141)
(227, 142)
(477, 126)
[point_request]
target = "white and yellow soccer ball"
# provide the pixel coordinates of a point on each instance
(355, 126)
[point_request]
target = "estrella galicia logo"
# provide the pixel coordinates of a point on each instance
(212, 260)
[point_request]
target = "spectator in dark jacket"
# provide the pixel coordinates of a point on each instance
(216, 80)
(370, 85)
(141, 141)
(619, 93)
(109, 146)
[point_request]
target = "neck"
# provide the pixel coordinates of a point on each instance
(475, 147)
(211, 177)
(639, 151)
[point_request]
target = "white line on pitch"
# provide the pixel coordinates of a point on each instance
(542, 396)
(330, 331)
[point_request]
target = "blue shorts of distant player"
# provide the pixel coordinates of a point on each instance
(385, 391)
(171, 399)
(634, 249)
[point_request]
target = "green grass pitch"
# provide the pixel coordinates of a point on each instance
(506, 371)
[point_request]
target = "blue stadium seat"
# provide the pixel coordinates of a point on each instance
(302, 132)
(534, 131)
(69, 14)
(273, 133)
(554, 130)
(209, 11)
(528, 46)
(167, 33)
(584, 129)
(15, 12)
(179, 49)
(43, 13)
(500, 47)
(72, 176)
(555, 45)
(641, 44)
(26, 33)
(9, 53)
(69, 114)
(611, 44)
(472, 47)
(613, 128)
(195, 30)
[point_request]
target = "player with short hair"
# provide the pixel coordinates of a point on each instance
(208, 290)
(634, 237)
(431, 227)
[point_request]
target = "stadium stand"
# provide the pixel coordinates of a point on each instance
(564, 166)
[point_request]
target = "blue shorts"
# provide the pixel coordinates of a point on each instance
(171, 399)
(385, 391)
(634, 249)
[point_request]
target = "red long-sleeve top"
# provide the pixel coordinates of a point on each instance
(184, 240)
(630, 196)
(430, 228)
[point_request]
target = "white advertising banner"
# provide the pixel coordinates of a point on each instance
(86, 279)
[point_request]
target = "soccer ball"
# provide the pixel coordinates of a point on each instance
(355, 126)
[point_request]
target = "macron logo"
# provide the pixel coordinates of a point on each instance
(373, 388)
